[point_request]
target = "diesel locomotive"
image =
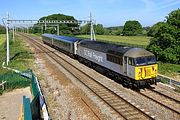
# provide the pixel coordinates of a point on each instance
(130, 66)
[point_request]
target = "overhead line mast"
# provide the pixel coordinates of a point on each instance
(92, 29)
(7, 38)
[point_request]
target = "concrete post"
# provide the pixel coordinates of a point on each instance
(7, 38)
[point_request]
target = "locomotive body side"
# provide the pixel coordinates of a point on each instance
(99, 58)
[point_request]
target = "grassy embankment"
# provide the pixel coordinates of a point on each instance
(20, 59)
(170, 70)
(133, 40)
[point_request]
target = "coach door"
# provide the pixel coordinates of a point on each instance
(75, 47)
(125, 65)
(52, 41)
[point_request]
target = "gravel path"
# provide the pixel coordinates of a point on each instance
(10, 103)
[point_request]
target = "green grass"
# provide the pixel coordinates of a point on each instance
(135, 40)
(2, 38)
(14, 81)
(168, 69)
(37, 34)
(20, 58)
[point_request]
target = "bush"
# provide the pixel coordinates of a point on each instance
(2, 29)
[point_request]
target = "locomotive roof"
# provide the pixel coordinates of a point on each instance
(62, 38)
(115, 49)
(138, 52)
(105, 47)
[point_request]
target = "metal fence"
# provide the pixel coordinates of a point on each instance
(168, 80)
(38, 103)
(12, 80)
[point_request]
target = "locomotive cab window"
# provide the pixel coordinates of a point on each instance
(141, 61)
(151, 60)
(131, 61)
(145, 60)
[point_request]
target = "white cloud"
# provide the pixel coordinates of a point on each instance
(168, 3)
(151, 5)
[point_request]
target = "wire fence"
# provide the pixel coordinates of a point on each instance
(168, 80)
(13, 81)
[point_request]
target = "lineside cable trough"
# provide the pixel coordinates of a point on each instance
(32, 110)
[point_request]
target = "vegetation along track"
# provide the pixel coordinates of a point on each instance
(117, 103)
(162, 99)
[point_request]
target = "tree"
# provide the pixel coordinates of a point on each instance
(99, 30)
(166, 42)
(63, 28)
(174, 18)
(154, 29)
(85, 29)
(106, 31)
(2, 29)
(132, 28)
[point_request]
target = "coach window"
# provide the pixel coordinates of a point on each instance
(108, 57)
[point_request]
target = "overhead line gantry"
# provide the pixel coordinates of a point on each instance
(44, 22)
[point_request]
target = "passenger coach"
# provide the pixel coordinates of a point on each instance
(64, 43)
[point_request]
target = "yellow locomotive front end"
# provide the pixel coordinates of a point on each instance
(146, 72)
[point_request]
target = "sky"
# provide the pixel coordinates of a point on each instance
(106, 12)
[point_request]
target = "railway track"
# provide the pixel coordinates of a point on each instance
(117, 103)
(162, 99)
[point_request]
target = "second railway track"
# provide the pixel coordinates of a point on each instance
(117, 103)
(162, 99)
